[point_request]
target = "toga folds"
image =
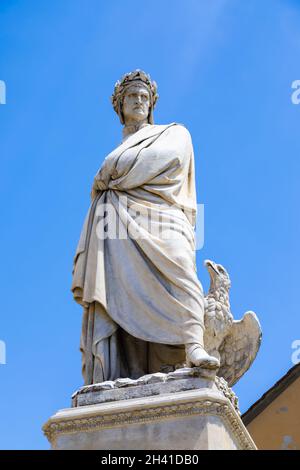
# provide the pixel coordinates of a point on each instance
(134, 268)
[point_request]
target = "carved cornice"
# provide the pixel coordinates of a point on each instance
(52, 429)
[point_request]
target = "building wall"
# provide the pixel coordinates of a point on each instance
(278, 425)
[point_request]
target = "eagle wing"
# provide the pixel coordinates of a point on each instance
(239, 348)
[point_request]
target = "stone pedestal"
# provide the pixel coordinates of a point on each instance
(188, 409)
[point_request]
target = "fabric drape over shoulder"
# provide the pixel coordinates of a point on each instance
(136, 253)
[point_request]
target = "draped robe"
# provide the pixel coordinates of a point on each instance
(134, 268)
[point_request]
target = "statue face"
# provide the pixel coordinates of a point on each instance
(136, 103)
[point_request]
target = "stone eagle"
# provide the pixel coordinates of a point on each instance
(234, 342)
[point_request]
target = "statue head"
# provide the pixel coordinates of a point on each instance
(134, 97)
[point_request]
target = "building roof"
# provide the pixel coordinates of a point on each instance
(271, 394)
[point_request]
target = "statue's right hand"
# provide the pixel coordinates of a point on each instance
(99, 184)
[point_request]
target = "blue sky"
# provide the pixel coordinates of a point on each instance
(224, 68)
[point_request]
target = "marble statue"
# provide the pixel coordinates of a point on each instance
(158, 355)
(143, 304)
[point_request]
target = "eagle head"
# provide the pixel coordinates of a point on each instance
(219, 277)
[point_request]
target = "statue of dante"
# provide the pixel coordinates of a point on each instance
(143, 303)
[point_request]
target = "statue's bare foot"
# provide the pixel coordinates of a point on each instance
(197, 356)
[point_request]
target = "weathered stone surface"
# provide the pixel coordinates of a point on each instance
(163, 412)
(148, 385)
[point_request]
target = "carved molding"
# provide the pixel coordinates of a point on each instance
(92, 423)
(228, 393)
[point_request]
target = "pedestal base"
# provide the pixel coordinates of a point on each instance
(183, 410)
